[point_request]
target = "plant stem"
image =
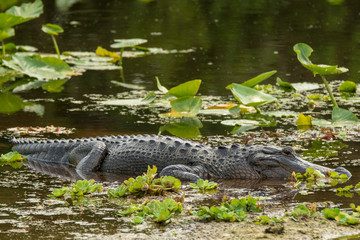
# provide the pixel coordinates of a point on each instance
(121, 66)
(56, 46)
(3, 48)
(329, 91)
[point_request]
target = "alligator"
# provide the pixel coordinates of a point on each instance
(183, 159)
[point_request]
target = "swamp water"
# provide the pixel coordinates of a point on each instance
(215, 41)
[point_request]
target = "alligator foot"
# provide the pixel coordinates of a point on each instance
(88, 156)
(183, 172)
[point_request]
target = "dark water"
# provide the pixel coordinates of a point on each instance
(231, 41)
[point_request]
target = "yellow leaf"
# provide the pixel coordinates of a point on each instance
(304, 120)
(105, 53)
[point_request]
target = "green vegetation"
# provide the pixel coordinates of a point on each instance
(147, 184)
(158, 211)
(53, 30)
(78, 190)
(204, 185)
(13, 159)
(229, 212)
(303, 52)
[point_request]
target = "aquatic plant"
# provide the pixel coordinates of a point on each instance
(303, 52)
(185, 104)
(147, 184)
(15, 16)
(126, 43)
(229, 212)
(203, 185)
(13, 159)
(79, 189)
(248, 96)
(158, 211)
(53, 30)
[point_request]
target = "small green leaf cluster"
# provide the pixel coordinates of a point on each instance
(13, 159)
(229, 212)
(348, 190)
(78, 190)
(147, 184)
(315, 179)
(343, 218)
(157, 211)
(301, 211)
(203, 185)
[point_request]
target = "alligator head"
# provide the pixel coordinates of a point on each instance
(278, 162)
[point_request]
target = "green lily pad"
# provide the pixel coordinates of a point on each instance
(306, 86)
(304, 51)
(123, 43)
(348, 86)
(189, 88)
(39, 67)
(285, 85)
(187, 106)
(185, 128)
(258, 79)
(241, 122)
(249, 96)
(52, 29)
(27, 11)
(128, 85)
(340, 115)
(10, 103)
(6, 33)
(304, 120)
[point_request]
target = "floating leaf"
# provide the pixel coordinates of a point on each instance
(249, 96)
(27, 11)
(128, 85)
(304, 51)
(123, 43)
(243, 128)
(52, 29)
(54, 85)
(105, 53)
(6, 33)
(348, 86)
(39, 67)
(342, 115)
(304, 120)
(285, 85)
(185, 106)
(184, 127)
(189, 88)
(10, 103)
(258, 79)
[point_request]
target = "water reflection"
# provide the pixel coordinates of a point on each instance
(183, 127)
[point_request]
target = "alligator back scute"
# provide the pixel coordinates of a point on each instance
(53, 151)
(133, 154)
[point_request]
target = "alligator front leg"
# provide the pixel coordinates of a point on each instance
(88, 156)
(185, 173)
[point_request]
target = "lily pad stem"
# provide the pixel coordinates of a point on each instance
(56, 46)
(3, 48)
(329, 91)
(120, 65)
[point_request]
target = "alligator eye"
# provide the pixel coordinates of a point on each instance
(288, 151)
